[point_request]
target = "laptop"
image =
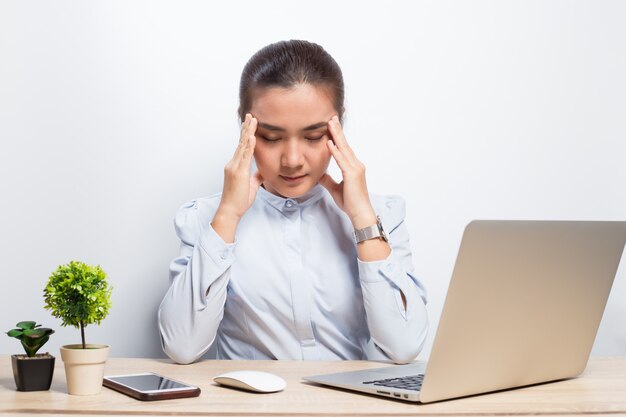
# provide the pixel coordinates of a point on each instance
(523, 307)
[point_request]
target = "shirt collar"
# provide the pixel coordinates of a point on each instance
(282, 203)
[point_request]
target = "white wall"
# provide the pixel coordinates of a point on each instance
(112, 114)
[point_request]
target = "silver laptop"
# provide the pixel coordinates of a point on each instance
(523, 307)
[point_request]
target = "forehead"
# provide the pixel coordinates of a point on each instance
(292, 108)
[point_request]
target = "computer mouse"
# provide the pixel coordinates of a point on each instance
(256, 381)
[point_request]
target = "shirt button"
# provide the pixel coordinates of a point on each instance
(289, 203)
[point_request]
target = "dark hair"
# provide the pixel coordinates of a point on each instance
(286, 64)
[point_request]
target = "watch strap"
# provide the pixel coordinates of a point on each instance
(370, 232)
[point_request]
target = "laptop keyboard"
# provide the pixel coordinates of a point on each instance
(411, 382)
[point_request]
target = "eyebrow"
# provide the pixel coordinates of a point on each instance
(267, 126)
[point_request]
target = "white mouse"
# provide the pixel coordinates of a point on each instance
(256, 381)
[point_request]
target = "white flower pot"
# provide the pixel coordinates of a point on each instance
(84, 368)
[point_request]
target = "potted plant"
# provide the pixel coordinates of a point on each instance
(79, 295)
(33, 371)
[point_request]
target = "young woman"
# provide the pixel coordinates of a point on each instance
(286, 263)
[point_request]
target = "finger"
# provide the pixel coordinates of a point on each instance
(248, 150)
(332, 186)
(336, 130)
(253, 125)
(339, 157)
(256, 180)
(244, 127)
(241, 145)
(250, 129)
(247, 135)
(250, 142)
(328, 182)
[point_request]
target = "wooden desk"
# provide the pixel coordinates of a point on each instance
(601, 390)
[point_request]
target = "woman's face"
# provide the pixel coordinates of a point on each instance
(291, 152)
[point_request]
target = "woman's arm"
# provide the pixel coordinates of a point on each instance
(193, 307)
(394, 299)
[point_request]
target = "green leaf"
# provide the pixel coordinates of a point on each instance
(30, 332)
(78, 293)
(47, 331)
(26, 324)
(14, 333)
(34, 333)
(32, 337)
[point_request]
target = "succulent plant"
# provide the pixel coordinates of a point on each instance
(32, 336)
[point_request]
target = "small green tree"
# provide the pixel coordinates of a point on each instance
(32, 336)
(78, 294)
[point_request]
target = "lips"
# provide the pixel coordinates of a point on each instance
(292, 178)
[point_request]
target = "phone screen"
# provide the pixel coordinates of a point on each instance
(147, 382)
(150, 386)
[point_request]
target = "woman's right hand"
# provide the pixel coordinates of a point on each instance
(240, 187)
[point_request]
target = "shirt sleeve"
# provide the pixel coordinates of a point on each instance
(398, 333)
(193, 306)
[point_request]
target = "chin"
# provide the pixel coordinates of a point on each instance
(293, 192)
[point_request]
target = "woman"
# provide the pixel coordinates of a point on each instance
(271, 268)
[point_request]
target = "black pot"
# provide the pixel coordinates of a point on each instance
(33, 374)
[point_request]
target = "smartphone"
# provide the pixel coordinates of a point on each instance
(150, 386)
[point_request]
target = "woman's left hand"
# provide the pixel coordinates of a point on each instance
(351, 193)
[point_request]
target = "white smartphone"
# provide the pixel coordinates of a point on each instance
(150, 386)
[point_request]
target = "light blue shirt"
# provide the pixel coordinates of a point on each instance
(291, 286)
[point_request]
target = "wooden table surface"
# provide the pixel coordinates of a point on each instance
(601, 390)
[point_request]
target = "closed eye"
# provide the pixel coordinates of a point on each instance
(315, 139)
(265, 138)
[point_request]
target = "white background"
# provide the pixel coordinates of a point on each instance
(112, 114)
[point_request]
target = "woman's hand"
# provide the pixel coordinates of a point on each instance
(351, 193)
(240, 187)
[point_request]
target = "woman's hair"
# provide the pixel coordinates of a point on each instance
(289, 63)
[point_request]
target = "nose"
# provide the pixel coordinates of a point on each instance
(292, 155)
